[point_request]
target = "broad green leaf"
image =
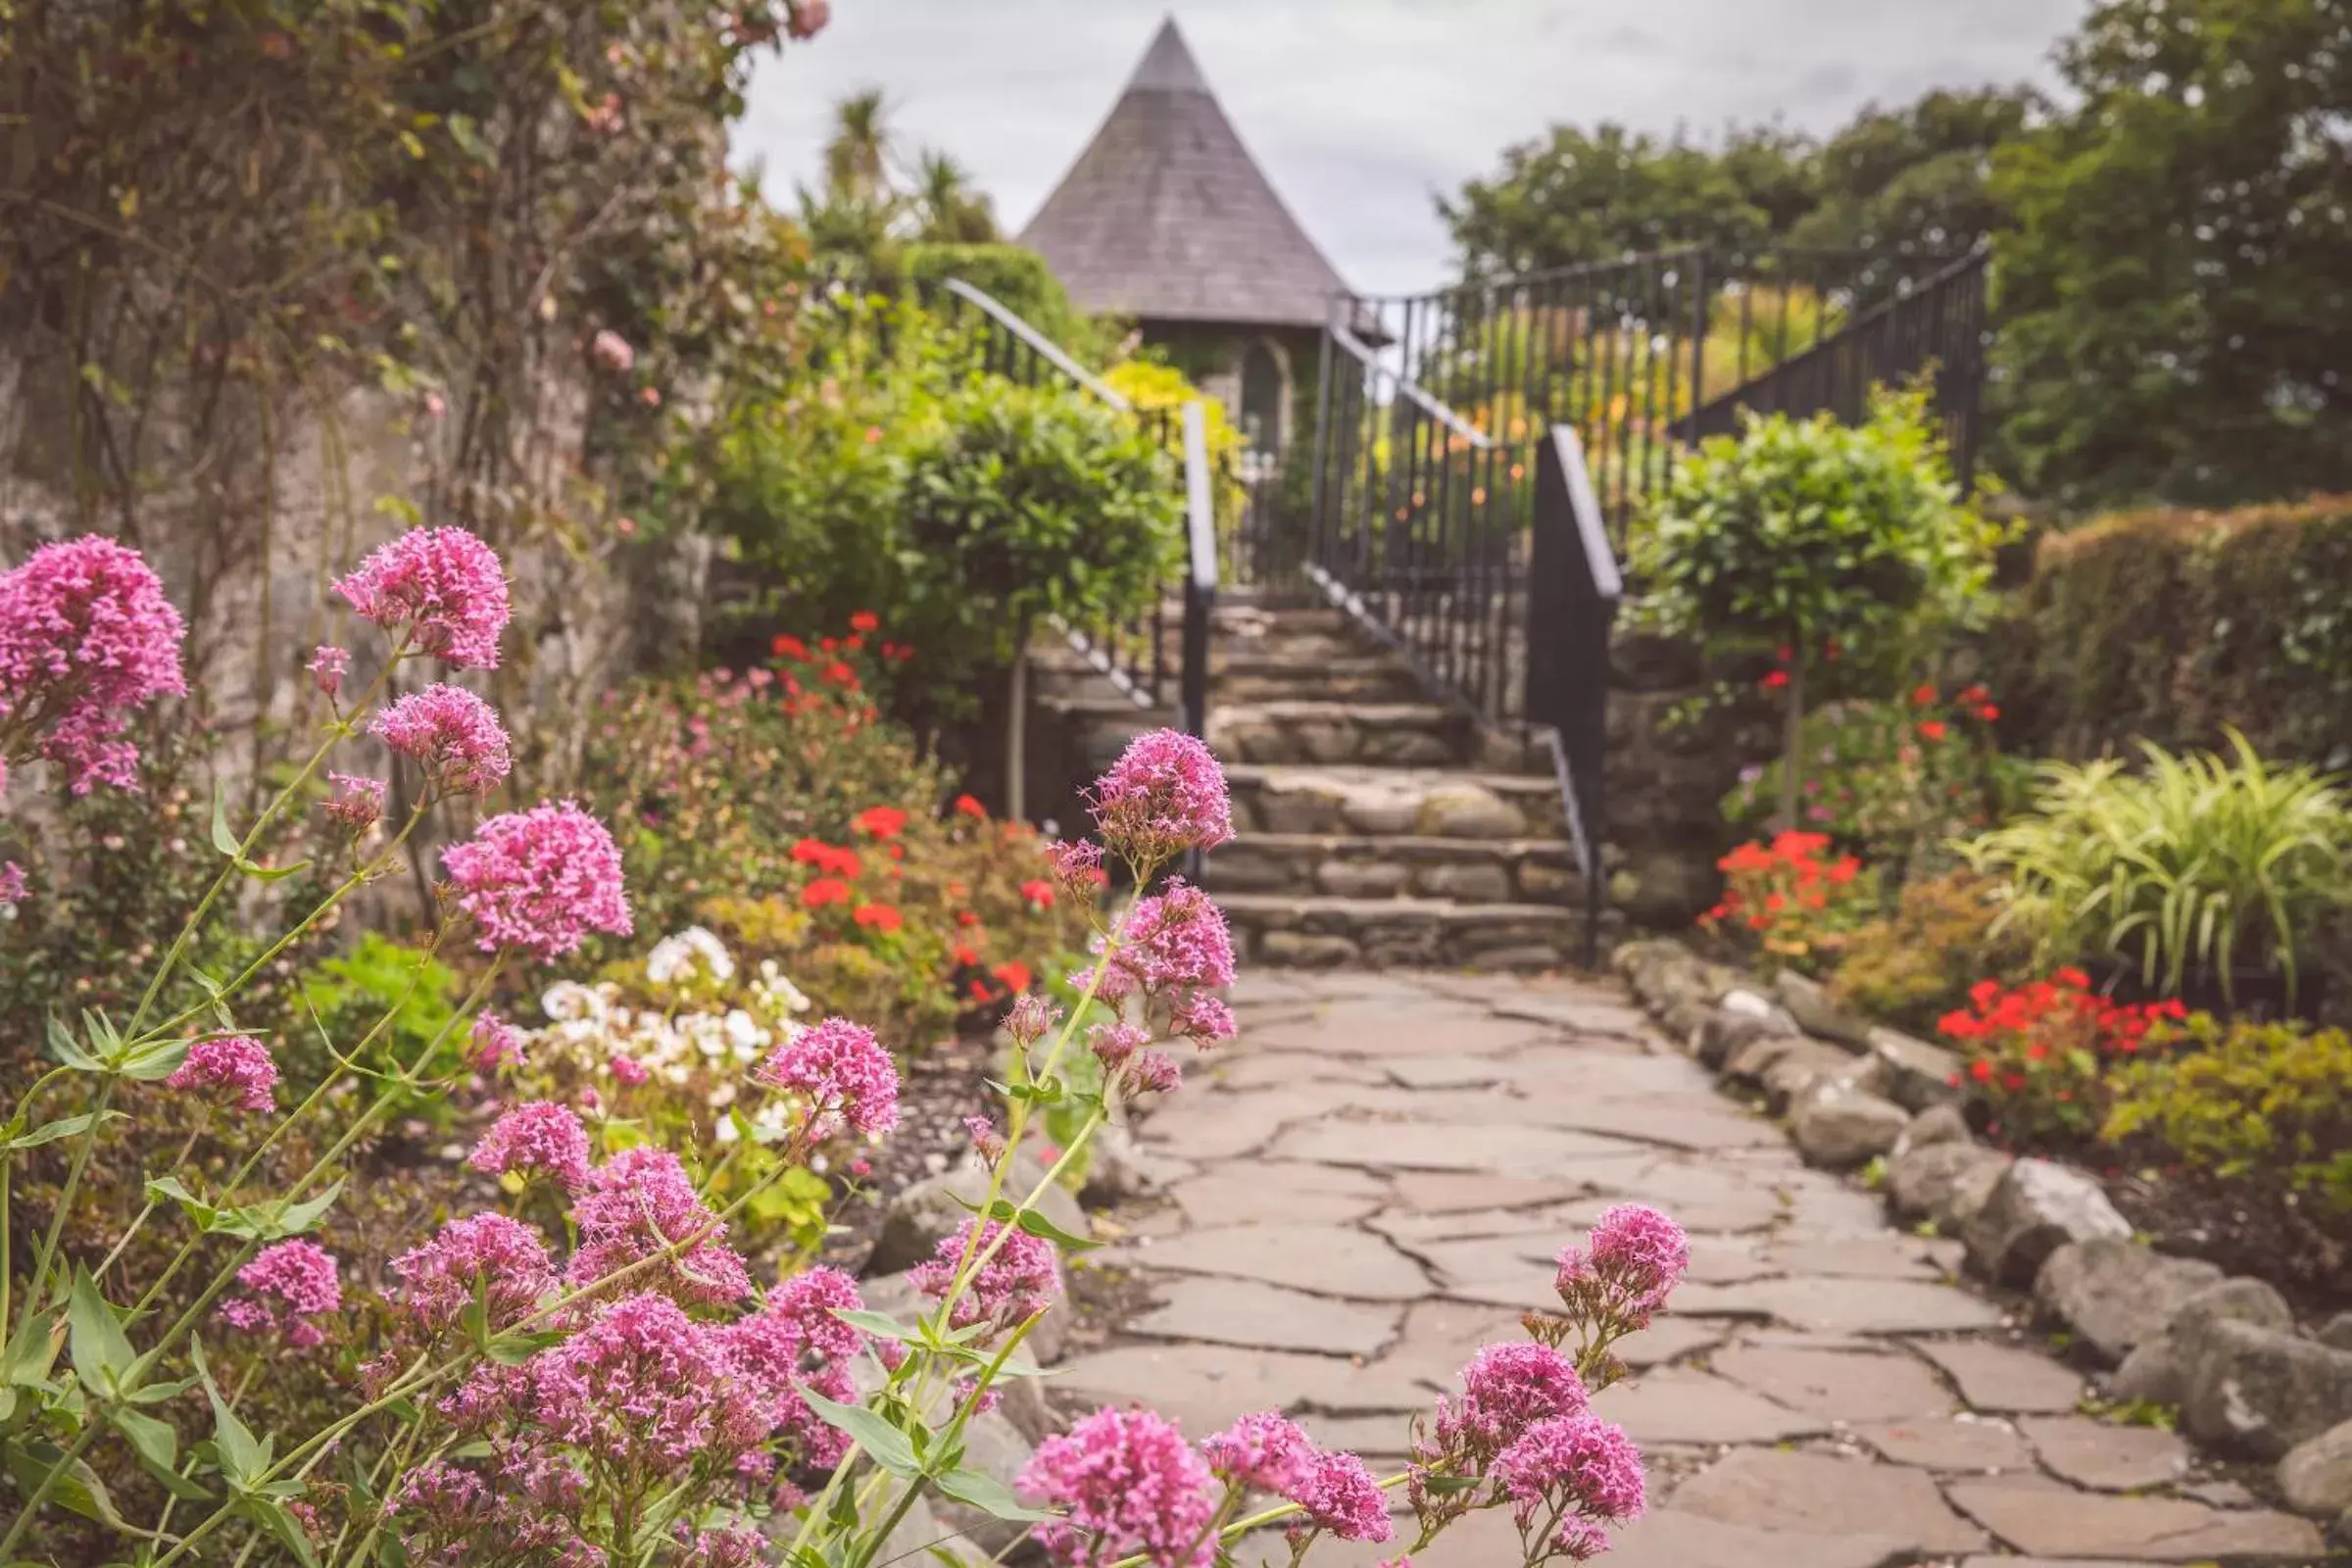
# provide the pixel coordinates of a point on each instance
(62, 1127)
(154, 1439)
(32, 1351)
(77, 1490)
(274, 1517)
(155, 1060)
(241, 1457)
(987, 1493)
(69, 1050)
(102, 1352)
(881, 1325)
(223, 840)
(266, 1222)
(172, 1189)
(877, 1436)
(1036, 1224)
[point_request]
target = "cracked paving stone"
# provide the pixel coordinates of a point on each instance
(1682, 1405)
(1819, 1493)
(1246, 1312)
(1952, 1444)
(1266, 1190)
(1205, 1388)
(1836, 1385)
(2048, 1520)
(2109, 1458)
(1999, 1377)
(1474, 1196)
(1845, 1306)
(1327, 1259)
(1433, 1145)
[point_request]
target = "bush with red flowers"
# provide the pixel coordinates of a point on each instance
(2040, 1053)
(1792, 901)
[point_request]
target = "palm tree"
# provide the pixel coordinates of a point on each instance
(856, 155)
(949, 211)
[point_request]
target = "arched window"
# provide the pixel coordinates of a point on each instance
(1263, 397)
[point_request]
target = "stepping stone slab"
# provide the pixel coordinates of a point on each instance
(1476, 1197)
(2000, 1377)
(2109, 1458)
(1952, 1444)
(1268, 1317)
(1270, 1190)
(1280, 1069)
(1429, 1146)
(1377, 1032)
(1821, 1494)
(1834, 1385)
(1875, 1257)
(1682, 1405)
(1843, 1307)
(1207, 1387)
(1327, 1259)
(1224, 1125)
(1672, 1538)
(2048, 1520)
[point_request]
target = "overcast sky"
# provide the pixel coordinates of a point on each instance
(1361, 111)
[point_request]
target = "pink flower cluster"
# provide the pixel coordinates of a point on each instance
(536, 1138)
(328, 667)
(1579, 1470)
(795, 1344)
(843, 1073)
(1126, 1483)
(641, 1203)
(353, 803)
(1268, 1453)
(289, 1285)
(86, 636)
(1165, 794)
(235, 1066)
(444, 585)
(501, 1260)
(646, 1389)
(496, 1042)
(1627, 1267)
(1020, 1280)
(540, 880)
(452, 734)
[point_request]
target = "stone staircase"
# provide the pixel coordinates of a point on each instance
(1373, 827)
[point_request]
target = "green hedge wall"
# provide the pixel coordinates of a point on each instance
(2169, 624)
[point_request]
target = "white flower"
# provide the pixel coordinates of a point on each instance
(744, 1034)
(569, 1001)
(775, 992)
(691, 953)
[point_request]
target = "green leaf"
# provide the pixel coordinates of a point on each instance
(1036, 1224)
(32, 1351)
(62, 1127)
(223, 840)
(877, 1436)
(267, 1222)
(155, 1060)
(241, 1457)
(881, 1325)
(271, 873)
(102, 1352)
(274, 1517)
(1448, 1486)
(78, 1488)
(987, 1493)
(513, 1350)
(154, 1439)
(196, 1209)
(68, 1051)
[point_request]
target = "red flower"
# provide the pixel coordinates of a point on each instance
(1015, 974)
(1774, 680)
(966, 918)
(966, 806)
(1989, 713)
(865, 621)
(787, 646)
(1933, 730)
(980, 992)
(829, 861)
(824, 891)
(839, 674)
(880, 917)
(1784, 652)
(1922, 696)
(965, 956)
(1040, 892)
(2071, 978)
(1973, 694)
(1981, 1071)
(881, 821)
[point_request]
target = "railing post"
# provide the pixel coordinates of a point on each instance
(1200, 572)
(1699, 340)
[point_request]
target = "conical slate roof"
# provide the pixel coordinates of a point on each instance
(1167, 217)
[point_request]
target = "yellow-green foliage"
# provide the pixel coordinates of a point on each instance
(1150, 386)
(2265, 1103)
(1915, 965)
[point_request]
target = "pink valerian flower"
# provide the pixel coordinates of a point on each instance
(1154, 1072)
(540, 880)
(537, 1136)
(720, 1548)
(452, 734)
(290, 1283)
(1575, 1468)
(496, 1042)
(526, 1511)
(612, 351)
(1266, 1451)
(1127, 1484)
(1505, 1389)
(1342, 1496)
(502, 1260)
(1631, 1262)
(1114, 1045)
(237, 1066)
(1165, 795)
(1030, 1017)
(1020, 1281)
(444, 585)
(843, 1073)
(805, 19)
(1077, 866)
(644, 1391)
(641, 1203)
(1202, 1019)
(987, 1142)
(328, 667)
(353, 803)
(796, 1344)
(86, 636)
(12, 877)
(1170, 945)
(628, 1071)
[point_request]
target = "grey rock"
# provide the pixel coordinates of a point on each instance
(1360, 879)
(1843, 1129)
(1727, 1030)
(1682, 1020)
(1122, 1169)
(1938, 1124)
(2157, 1372)
(2117, 1295)
(1479, 882)
(2263, 1390)
(2316, 1476)
(1918, 1075)
(1306, 950)
(2036, 1208)
(926, 1213)
(1465, 811)
(2336, 1332)
(1946, 1183)
(1808, 1001)
(1817, 1069)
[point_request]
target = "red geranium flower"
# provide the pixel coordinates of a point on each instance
(966, 918)
(839, 674)
(824, 891)
(880, 917)
(1922, 696)
(865, 621)
(1015, 974)
(1040, 892)
(882, 821)
(966, 806)
(1774, 680)
(966, 956)
(1989, 713)
(787, 646)
(1933, 730)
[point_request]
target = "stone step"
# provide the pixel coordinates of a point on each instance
(1379, 734)
(1408, 933)
(1471, 870)
(1246, 678)
(1395, 802)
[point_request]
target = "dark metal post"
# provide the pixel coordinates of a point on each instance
(1699, 340)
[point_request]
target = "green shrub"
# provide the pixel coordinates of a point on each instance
(1015, 277)
(2270, 1103)
(2173, 626)
(1915, 965)
(2192, 870)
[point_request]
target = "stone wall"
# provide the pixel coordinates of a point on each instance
(1666, 781)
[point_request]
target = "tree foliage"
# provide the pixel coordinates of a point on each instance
(2176, 298)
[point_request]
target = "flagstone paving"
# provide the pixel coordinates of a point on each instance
(1375, 1179)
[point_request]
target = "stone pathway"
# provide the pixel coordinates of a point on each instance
(1375, 1180)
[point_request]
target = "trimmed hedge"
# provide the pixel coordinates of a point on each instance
(1014, 275)
(2171, 625)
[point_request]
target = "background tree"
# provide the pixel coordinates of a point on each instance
(2175, 297)
(1915, 179)
(947, 208)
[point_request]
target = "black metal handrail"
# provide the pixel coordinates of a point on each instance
(1130, 654)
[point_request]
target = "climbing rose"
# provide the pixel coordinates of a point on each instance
(86, 635)
(540, 880)
(452, 734)
(1128, 1483)
(537, 1135)
(1629, 1265)
(444, 585)
(237, 1064)
(1576, 1465)
(612, 351)
(328, 667)
(1165, 795)
(290, 1282)
(641, 1202)
(1020, 1281)
(356, 803)
(848, 1079)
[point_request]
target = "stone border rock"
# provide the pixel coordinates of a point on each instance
(2174, 1331)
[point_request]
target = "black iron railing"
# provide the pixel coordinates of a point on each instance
(1133, 653)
